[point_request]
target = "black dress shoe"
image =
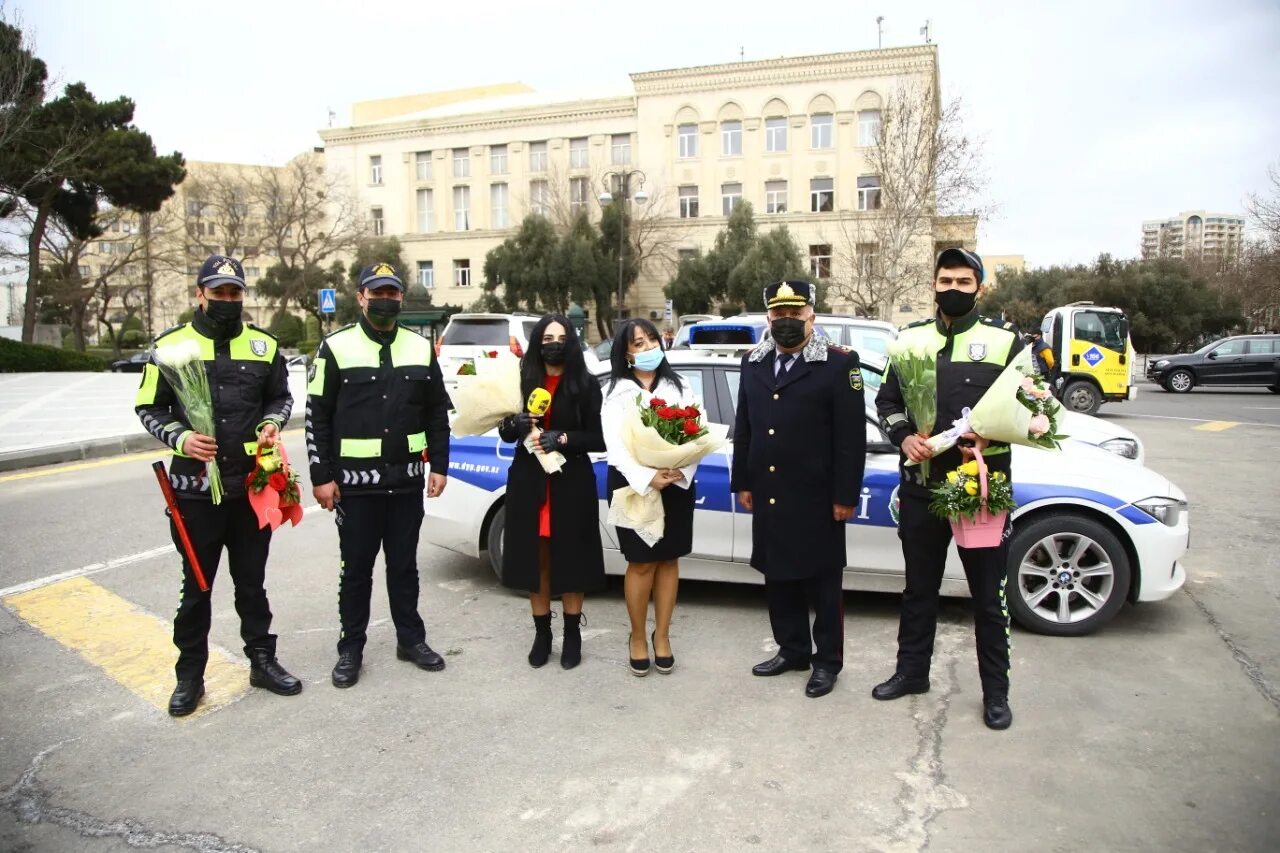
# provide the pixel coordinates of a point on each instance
(266, 671)
(663, 664)
(996, 712)
(347, 671)
(421, 655)
(777, 665)
(900, 685)
(820, 683)
(186, 696)
(639, 666)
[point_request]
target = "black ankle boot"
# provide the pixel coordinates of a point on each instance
(541, 650)
(571, 654)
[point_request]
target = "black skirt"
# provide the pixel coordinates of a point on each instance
(677, 534)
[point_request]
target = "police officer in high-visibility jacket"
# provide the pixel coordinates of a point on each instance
(377, 428)
(972, 351)
(249, 385)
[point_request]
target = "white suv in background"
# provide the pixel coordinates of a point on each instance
(472, 336)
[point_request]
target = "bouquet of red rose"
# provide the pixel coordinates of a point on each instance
(659, 435)
(272, 488)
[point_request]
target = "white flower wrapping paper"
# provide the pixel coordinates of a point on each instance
(182, 367)
(483, 400)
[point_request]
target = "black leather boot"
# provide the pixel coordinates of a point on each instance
(346, 672)
(996, 712)
(571, 653)
(265, 671)
(186, 696)
(422, 656)
(541, 651)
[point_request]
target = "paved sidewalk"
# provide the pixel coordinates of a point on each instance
(46, 418)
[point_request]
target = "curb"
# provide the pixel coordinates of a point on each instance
(98, 448)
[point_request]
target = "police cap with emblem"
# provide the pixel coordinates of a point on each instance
(219, 269)
(952, 258)
(783, 293)
(380, 275)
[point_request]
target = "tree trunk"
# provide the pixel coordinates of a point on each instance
(33, 269)
(77, 324)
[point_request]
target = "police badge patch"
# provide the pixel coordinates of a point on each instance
(977, 352)
(855, 379)
(258, 347)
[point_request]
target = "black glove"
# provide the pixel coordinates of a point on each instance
(522, 423)
(550, 440)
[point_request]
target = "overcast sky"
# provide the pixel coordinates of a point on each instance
(1095, 115)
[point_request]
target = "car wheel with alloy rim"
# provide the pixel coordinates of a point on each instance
(1180, 381)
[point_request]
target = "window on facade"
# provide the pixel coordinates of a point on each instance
(775, 196)
(539, 197)
(375, 169)
(820, 260)
(578, 155)
(251, 272)
(579, 195)
(621, 147)
(537, 157)
(426, 212)
(422, 165)
(731, 138)
(84, 270)
(498, 199)
(461, 163)
(730, 197)
(376, 221)
(687, 254)
(775, 134)
(461, 272)
(822, 195)
(688, 202)
(427, 274)
(498, 159)
(194, 207)
(869, 192)
(868, 128)
(462, 208)
(867, 259)
(687, 140)
(821, 129)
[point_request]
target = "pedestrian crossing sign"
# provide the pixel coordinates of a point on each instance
(1093, 356)
(328, 300)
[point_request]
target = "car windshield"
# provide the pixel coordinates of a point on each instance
(483, 333)
(1104, 328)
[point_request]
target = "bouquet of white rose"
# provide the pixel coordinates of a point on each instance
(487, 395)
(183, 368)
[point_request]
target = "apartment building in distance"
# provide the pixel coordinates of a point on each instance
(452, 174)
(995, 266)
(1194, 233)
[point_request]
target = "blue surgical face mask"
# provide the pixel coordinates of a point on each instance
(649, 360)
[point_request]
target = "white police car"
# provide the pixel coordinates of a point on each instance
(1092, 530)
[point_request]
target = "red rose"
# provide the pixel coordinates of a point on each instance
(278, 482)
(493, 353)
(666, 412)
(691, 427)
(656, 402)
(692, 412)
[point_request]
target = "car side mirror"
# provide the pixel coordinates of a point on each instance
(1212, 355)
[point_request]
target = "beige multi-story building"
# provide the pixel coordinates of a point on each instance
(995, 266)
(452, 174)
(1194, 233)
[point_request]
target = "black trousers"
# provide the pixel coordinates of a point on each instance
(368, 524)
(925, 539)
(789, 606)
(233, 525)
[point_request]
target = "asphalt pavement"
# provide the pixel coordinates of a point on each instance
(1161, 732)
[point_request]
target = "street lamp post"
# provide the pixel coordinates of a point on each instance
(622, 177)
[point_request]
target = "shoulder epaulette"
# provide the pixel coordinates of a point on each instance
(999, 324)
(171, 330)
(838, 348)
(925, 322)
(263, 331)
(343, 329)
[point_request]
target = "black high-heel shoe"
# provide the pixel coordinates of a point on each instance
(663, 665)
(639, 666)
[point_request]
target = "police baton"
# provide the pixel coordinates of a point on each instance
(171, 500)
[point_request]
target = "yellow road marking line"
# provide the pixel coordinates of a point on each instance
(133, 647)
(99, 463)
(1217, 426)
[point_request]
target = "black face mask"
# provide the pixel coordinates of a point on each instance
(553, 353)
(383, 309)
(956, 303)
(224, 315)
(787, 332)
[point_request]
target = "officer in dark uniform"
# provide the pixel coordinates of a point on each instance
(799, 451)
(250, 388)
(972, 351)
(377, 420)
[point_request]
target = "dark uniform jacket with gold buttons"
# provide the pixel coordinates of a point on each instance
(249, 383)
(799, 447)
(972, 352)
(377, 411)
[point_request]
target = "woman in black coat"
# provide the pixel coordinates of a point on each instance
(551, 543)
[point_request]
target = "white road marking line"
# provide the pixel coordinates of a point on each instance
(1118, 416)
(95, 568)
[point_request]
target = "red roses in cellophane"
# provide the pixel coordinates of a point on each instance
(272, 488)
(676, 424)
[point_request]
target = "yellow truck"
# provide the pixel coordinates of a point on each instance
(1093, 356)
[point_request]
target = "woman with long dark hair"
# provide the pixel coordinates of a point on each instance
(640, 369)
(551, 542)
